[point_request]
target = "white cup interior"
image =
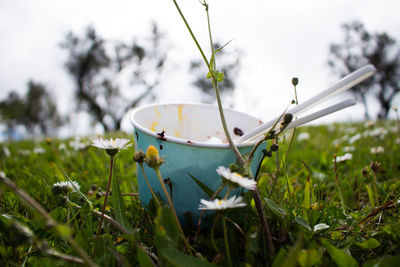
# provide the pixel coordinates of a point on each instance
(191, 122)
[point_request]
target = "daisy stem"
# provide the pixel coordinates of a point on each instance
(212, 234)
(148, 184)
(228, 253)
(157, 170)
(261, 215)
(106, 196)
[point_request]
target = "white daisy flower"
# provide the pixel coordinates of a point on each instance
(62, 147)
(355, 138)
(349, 149)
(347, 156)
(6, 152)
(76, 144)
(236, 178)
(377, 150)
(303, 137)
(24, 152)
(112, 146)
(222, 204)
(64, 187)
(39, 150)
(378, 132)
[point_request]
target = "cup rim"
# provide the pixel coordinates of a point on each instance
(181, 140)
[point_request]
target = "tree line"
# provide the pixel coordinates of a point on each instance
(111, 77)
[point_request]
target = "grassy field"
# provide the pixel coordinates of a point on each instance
(320, 213)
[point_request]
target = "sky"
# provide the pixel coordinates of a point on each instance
(278, 39)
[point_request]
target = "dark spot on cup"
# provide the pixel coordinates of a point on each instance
(237, 131)
(161, 136)
(137, 136)
(161, 147)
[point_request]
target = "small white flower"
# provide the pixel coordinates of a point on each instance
(2, 174)
(349, 149)
(118, 143)
(320, 175)
(355, 138)
(340, 140)
(24, 152)
(377, 150)
(6, 152)
(369, 124)
(62, 147)
(378, 132)
(72, 186)
(350, 130)
(397, 141)
(112, 146)
(236, 178)
(76, 144)
(303, 137)
(347, 156)
(320, 226)
(39, 150)
(222, 204)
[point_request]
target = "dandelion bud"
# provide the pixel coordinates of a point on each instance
(59, 189)
(139, 156)
(274, 147)
(267, 153)
(375, 166)
(364, 172)
(152, 157)
(288, 118)
(295, 81)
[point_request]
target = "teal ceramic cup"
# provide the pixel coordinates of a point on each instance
(185, 136)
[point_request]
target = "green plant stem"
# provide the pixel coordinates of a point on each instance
(157, 170)
(264, 223)
(228, 253)
(106, 196)
(212, 234)
(214, 83)
(192, 34)
(148, 184)
(50, 222)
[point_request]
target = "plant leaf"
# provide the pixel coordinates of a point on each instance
(303, 223)
(178, 259)
(369, 244)
(205, 188)
(370, 195)
(119, 206)
(143, 258)
(341, 258)
(167, 232)
(275, 208)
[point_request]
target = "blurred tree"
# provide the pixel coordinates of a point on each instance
(228, 62)
(36, 111)
(112, 77)
(361, 47)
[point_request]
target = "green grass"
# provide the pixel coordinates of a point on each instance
(355, 207)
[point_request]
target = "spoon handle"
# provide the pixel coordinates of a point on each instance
(345, 83)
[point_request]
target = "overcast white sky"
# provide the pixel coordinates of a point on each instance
(279, 40)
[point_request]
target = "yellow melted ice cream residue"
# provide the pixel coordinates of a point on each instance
(180, 112)
(153, 126)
